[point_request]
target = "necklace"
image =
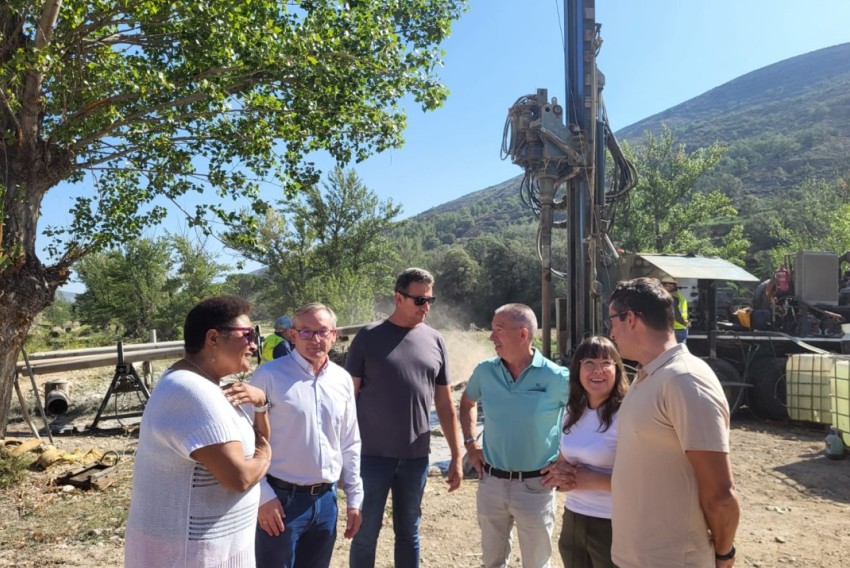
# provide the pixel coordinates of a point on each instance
(198, 367)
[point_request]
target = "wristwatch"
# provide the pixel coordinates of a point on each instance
(470, 440)
(264, 407)
(728, 556)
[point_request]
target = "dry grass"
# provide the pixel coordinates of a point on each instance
(796, 503)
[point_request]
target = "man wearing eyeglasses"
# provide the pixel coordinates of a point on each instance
(400, 369)
(673, 449)
(524, 396)
(313, 422)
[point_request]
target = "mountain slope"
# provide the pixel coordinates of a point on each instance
(782, 124)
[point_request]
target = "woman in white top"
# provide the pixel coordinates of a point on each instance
(195, 493)
(588, 445)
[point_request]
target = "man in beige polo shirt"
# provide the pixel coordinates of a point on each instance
(674, 499)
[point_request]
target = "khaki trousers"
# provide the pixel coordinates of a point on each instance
(528, 504)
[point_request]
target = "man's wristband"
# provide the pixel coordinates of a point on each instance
(264, 407)
(728, 556)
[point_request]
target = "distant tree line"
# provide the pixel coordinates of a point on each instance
(342, 245)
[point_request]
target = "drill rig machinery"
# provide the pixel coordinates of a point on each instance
(572, 154)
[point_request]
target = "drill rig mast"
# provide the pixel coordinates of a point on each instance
(554, 154)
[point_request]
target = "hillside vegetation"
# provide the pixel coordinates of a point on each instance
(783, 135)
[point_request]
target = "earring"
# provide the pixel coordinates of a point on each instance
(212, 360)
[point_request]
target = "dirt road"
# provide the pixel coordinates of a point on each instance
(796, 503)
(796, 510)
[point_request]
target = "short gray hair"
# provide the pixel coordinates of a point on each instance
(314, 307)
(521, 314)
(411, 275)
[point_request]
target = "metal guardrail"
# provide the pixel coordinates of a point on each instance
(61, 365)
(128, 347)
(47, 362)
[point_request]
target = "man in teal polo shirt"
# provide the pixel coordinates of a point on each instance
(523, 395)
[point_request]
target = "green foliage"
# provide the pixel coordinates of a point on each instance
(43, 338)
(666, 213)
(153, 101)
(815, 216)
(783, 123)
(328, 246)
(59, 313)
(458, 281)
(136, 92)
(146, 284)
(13, 469)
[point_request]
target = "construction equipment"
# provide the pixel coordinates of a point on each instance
(562, 148)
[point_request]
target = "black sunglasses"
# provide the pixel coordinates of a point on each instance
(420, 300)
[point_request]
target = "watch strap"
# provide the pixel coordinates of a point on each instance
(728, 556)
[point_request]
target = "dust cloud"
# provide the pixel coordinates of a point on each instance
(466, 350)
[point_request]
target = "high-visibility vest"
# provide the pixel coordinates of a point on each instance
(682, 308)
(269, 343)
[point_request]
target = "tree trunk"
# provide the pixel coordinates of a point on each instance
(25, 290)
(26, 285)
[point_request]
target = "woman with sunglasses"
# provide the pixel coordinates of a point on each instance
(201, 452)
(588, 445)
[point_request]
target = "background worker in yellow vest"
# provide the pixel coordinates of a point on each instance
(680, 305)
(277, 344)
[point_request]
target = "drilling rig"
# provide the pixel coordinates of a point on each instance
(562, 149)
(564, 165)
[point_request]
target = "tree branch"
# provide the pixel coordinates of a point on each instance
(8, 108)
(244, 80)
(31, 96)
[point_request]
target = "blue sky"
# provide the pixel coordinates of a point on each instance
(656, 54)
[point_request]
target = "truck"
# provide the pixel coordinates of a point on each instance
(562, 149)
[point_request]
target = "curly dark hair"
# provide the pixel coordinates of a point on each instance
(211, 313)
(592, 348)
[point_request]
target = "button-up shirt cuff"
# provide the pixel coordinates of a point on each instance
(354, 500)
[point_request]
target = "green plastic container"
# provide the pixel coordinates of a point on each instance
(841, 398)
(808, 387)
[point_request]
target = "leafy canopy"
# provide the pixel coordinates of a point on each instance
(666, 212)
(816, 217)
(146, 284)
(328, 245)
(161, 98)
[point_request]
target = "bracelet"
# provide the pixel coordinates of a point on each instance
(264, 407)
(470, 440)
(728, 556)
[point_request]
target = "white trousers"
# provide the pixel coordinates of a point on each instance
(501, 503)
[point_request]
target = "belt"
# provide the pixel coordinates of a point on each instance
(519, 475)
(316, 489)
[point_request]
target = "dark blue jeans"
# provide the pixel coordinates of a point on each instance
(309, 532)
(406, 479)
(681, 335)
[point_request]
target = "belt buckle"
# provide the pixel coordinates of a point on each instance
(315, 489)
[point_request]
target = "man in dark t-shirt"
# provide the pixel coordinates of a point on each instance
(399, 367)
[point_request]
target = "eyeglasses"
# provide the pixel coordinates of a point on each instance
(620, 315)
(592, 365)
(420, 300)
(308, 334)
(249, 334)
